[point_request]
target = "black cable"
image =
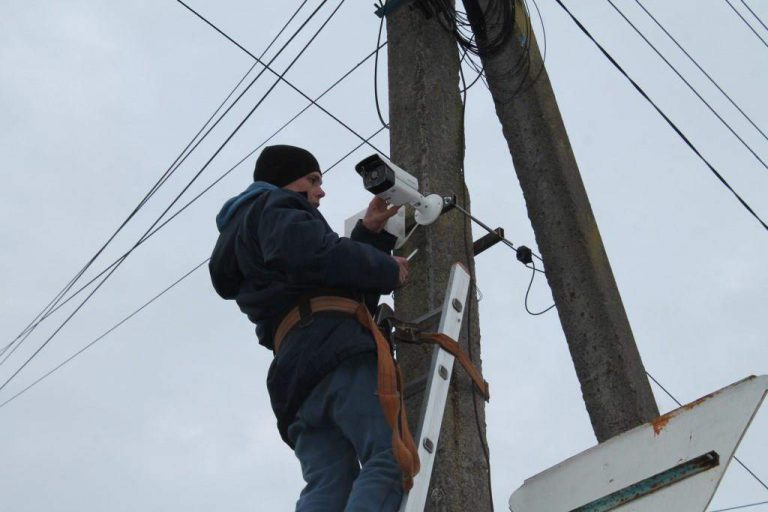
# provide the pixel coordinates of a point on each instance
(528, 291)
(268, 68)
(376, 76)
(696, 63)
(747, 23)
(670, 395)
(489, 230)
(150, 301)
(740, 507)
(51, 306)
(104, 334)
(663, 115)
(229, 171)
(221, 147)
(754, 14)
(688, 84)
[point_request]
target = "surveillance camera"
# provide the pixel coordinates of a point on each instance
(383, 178)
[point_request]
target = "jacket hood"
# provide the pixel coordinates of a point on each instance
(230, 207)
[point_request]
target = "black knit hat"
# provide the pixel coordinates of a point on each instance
(281, 165)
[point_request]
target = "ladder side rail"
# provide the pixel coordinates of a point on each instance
(436, 392)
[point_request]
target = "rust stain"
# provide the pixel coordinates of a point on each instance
(659, 423)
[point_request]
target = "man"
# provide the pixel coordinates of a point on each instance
(274, 256)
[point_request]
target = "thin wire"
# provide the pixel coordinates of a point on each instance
(489, 230)
(104, 334)
(754, 14)
(670, 395)
(51, 306)
(696, 63)
(687, 83)
(221, 147)
(747, 23)
(141, 308)
(663, 115)
(182, 160)
(268, 68)
(740, 506)
(230, 170)
(528, 291)
(376, 76)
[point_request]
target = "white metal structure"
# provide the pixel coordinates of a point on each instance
(438, 381)
(395, 225)
(673, 463)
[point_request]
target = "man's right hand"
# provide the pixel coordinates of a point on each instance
(404, 266)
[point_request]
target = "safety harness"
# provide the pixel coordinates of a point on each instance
(389, 379)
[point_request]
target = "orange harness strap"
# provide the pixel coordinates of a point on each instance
(389, 378)
(449, 345)
(390, 390)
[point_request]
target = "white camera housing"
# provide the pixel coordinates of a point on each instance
(383, 178)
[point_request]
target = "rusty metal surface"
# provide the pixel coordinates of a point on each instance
(656, 466)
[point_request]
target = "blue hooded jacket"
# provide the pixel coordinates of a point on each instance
(274, 249)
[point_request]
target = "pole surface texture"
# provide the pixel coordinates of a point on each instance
(608, 364)
(427, 140)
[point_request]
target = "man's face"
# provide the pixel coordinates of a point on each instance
(311, 184)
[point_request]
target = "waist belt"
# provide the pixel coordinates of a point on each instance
(390, 379)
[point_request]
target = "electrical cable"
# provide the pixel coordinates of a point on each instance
(696, 63)
(692, 89)
(663, 115)
(670, 395)
(754, 14)
(489, 230)
(267, 67)
(528, 291)
(376, 76)
(104, 334)
(141, 308)
(221, 147)
(48, 309)
(230, 170)
(747, 23)
(749, 505)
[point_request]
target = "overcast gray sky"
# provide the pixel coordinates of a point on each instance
(169, 412)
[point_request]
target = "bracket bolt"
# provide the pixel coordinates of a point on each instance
(443, 372)
(429, 445)
(457, 305)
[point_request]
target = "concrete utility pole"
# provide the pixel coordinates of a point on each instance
(427, 139)
(613, 381)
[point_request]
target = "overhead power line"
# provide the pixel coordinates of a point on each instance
(755, 15)
(747, 23)
(147, 303)
(268, 68)
(690, 87)
(188, 149)
(227, 173)
(740, 507)
(696, 63)
(664, 116)
(103, 335)
(189, 184)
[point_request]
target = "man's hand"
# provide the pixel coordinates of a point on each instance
(378, 214)
(404, 267)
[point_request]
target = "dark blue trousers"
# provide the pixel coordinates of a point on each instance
(344, 444)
